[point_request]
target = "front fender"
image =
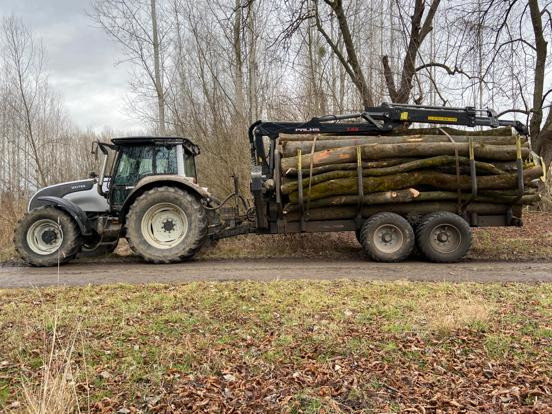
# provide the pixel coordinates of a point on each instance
(150, 182)
(72, 209)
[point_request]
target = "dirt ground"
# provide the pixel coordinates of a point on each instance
(498, 254)
(135, 272)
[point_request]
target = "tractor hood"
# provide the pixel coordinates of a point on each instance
(83, 193)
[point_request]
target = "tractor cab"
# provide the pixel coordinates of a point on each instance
(127, 161)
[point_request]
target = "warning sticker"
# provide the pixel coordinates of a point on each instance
(442, 118)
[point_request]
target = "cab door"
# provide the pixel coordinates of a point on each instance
(136, 162)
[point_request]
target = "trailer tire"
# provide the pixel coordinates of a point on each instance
(166, 225)
(387, 237)
(47, 236)
(444, 237)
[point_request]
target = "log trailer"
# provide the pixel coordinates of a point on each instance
(148, 193)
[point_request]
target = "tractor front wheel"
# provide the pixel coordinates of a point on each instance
(166, 225)
(47, 236)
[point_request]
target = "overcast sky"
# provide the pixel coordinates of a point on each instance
(81, 61)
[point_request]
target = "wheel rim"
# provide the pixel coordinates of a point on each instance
(164, 225)
(445, 238)
(388, 238)
(44, 237)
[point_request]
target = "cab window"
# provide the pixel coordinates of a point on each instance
(189, 164)
(139, 161)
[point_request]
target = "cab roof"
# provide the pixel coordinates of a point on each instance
(153, 140)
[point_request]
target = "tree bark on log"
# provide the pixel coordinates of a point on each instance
(289, 148)
(437, 180)
(348, 166)
(379, 151)
(433, 162)
(338, 213)
(411, 194)
(401, 196)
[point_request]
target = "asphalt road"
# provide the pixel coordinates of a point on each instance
(79, 274)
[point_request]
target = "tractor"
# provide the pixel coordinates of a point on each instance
(151, 197)
(147, 192)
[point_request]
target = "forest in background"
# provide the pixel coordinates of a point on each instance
(206, 69)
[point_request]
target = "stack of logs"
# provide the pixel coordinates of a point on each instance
(342, 177)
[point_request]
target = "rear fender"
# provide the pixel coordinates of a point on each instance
(147, 183)
(70, 208)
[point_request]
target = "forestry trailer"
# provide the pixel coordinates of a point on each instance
(366, 173)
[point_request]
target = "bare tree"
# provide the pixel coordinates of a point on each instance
(419, 29)
(135, 25)
(350, 62)
(25, 60)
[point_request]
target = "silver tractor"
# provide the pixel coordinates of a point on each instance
(146, 191)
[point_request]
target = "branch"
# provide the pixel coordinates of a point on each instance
(330, 42)
(517, 110)
(390, 82)
(428, 23)
(450, 71)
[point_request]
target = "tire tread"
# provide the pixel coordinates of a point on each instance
(136, 241)
(422, 234)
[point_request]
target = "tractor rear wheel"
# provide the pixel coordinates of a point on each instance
(47, 236)
(387, 237)
(166, 225)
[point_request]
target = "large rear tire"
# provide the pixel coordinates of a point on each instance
(166, 225)
(387, 237)
(47, 236)
(444, 237)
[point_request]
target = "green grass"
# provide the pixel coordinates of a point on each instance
(296, 346)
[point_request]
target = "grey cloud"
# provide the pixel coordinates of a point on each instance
(80, 61)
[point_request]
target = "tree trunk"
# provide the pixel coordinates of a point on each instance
(347, 166)
(290, 147)
(343, 186)
(252, 63)
(238, 65)
(157, 70)
(411, 194)
(379, 151)
(401, 196)
(540, 66)
(289, 187)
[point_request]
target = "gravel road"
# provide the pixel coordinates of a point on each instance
(270, 269)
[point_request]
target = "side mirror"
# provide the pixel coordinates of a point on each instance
(92, 174)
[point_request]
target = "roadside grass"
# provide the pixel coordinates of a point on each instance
(281, 346)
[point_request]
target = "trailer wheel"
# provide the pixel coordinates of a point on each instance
(387, 237)
(444, 237)
(166, 225)
(47, 236)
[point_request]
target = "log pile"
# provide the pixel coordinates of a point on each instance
(340, 177)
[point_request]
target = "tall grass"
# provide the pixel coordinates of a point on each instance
(55, 392)
(12, 209)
